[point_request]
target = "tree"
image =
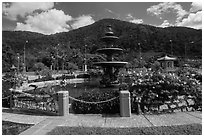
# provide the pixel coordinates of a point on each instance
(39, 66)
(8, 58)
(156, 66)
(71, 66)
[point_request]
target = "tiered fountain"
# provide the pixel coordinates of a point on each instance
(110, 67)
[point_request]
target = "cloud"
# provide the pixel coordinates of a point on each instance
(194, 20)
(191, 18)
(137, 21)
(15, 9)
(129, 16)
(133, 19)
(116, 15)
(196, 6)
(53, 21)
(167, 7)
(110, 11)
(165, 24)
(49, 22)
(81, 21)
(42, 18)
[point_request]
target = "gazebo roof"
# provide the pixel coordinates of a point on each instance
(166, 58)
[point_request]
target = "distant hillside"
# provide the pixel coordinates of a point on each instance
(152, 39)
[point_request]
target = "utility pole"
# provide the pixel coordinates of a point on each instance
(24, 58)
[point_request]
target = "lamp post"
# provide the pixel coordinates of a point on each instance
(57, 57)
(13, 68)
(18, 62)
(171, 47)
(24, 57)
(85, 65)
(139, 53)
(186, 48)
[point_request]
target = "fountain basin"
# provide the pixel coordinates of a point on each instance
(109, 51)
(111, 63)
(109, 38)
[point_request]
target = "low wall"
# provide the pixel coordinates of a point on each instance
(180, 104)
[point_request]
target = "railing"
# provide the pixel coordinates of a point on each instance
(43, 103)
(59, 103)
(97, 102)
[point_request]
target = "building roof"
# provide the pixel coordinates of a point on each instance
(166, 58)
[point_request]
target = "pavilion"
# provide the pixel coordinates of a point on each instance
(167, 63)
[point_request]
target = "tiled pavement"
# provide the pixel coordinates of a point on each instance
(44, 124)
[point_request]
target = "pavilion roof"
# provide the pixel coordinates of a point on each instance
(166, 58)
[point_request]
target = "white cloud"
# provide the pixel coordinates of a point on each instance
(167, 7)
(129, 16)
(191, 18)
(196, 6)
(110, 11)
(133, 19)
(137, 21)
(165, 24)
(42, 18)
(194, 20)
(53, 21)
(49, 22)
(81, 21)
(112, 14)
(15, 9)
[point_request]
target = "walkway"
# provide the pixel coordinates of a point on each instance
(44, 124)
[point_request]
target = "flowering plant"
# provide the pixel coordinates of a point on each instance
(155, 88)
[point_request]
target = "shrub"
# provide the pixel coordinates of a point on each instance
(100, 108)
(157, 88)
(47, 78)
(10, 80)
(83, 76)
(65, 77)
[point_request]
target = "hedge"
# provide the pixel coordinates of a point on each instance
(100, 108)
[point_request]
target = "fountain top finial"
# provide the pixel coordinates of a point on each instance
(109, 31)
(109, 28)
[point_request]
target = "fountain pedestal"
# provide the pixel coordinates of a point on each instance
(110, 67)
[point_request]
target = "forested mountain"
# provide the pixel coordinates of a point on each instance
(69, 47)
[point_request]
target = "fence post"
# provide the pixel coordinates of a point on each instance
(125, 106)
(63, 103)
(11, 103)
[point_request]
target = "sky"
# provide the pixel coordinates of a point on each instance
(54, 17)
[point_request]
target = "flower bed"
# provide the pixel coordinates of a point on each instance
(163, 92)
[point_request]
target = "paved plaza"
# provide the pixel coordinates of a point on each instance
(44, 124)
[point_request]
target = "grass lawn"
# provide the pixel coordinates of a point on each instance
(192, 129)
(11, 128)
